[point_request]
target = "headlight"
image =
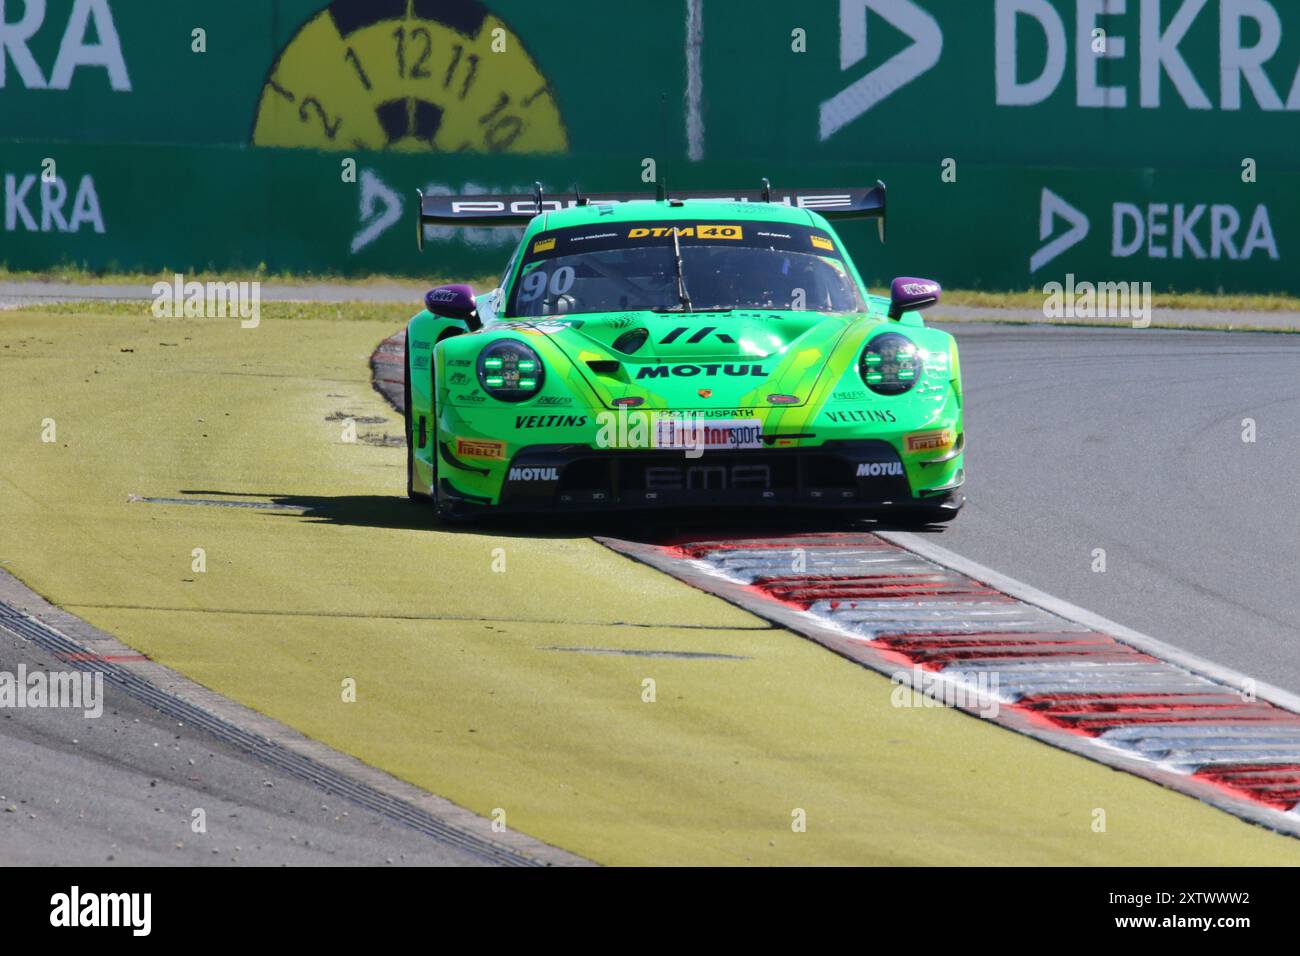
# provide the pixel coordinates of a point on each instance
(510, 371)
(890, 364)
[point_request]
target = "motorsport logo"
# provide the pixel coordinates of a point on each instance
(690, 432)
(696, 436)
(1160, 231)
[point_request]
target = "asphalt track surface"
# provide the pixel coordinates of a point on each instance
(1131, 441)
(122, 790)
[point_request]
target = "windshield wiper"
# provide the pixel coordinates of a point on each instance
(683, 296)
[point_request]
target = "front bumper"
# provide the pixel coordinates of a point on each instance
(861, 475)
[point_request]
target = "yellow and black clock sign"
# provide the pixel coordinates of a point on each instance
(414, 75)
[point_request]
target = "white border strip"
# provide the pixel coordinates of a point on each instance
(919, 544)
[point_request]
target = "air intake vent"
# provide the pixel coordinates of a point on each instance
(603, 366)
(631, 340)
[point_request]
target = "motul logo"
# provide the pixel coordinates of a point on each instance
(534, 474)
(689, 371)
(879, 469)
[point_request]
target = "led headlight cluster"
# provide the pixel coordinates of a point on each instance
(510, 371)
(890, 364)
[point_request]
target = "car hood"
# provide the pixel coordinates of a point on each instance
(699, 360)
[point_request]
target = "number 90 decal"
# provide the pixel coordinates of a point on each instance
(537, 282)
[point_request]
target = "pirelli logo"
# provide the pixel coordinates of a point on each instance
(931, 441)
(473, 448)
(543, 245)
(698, 231)
(821, 242)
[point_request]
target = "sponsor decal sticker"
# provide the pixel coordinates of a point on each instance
(480, 448)
(698, 336)
(880, 469)
(533, 474)
(689, 371)
(931, 441)
(550, 421)
(721, 232)
(701, 231)
(820, 242)
(879, 416)
(695, 434)
(543, 245)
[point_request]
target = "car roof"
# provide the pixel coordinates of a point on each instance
(690, 209)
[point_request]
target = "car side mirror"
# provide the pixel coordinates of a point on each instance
(453, 302)
(912, 295)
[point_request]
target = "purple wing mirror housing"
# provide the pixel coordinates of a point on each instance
(912, 295)
(451, 301)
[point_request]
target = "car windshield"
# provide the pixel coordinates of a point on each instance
(704, 267)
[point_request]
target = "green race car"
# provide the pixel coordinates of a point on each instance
(684, 351)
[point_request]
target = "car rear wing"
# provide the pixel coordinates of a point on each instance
(517, 209)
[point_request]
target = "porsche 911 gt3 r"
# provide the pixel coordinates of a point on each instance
(684, 351)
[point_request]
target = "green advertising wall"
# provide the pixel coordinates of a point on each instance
(1142, 140)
